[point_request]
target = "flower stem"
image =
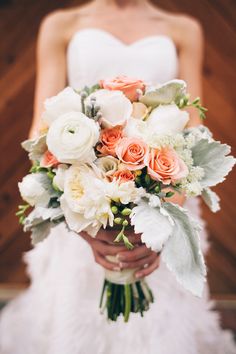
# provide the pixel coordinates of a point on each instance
(127, 302)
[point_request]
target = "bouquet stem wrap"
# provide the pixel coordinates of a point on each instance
(123, 294)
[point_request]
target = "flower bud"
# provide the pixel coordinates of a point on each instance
(138, 180)
(138, 173)
(147, 179)
(118, 221)
(125, 223)
(157, 189)
(126, 212)
(114, 210)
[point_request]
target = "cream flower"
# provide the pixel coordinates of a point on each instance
(108, 165)
(139, 110)
(125, 192)
(115, 107)
(85, 202)
(71, 138)
(66, 101)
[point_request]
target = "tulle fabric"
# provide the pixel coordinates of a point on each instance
(59, 312)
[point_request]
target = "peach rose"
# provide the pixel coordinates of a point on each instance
(109, 139)
(132, 152)
(48, 160)
(166, 166)
(123, 176)
(125, 84)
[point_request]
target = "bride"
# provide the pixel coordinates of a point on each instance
(59, 314)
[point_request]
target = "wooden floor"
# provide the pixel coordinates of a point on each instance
(19, 21)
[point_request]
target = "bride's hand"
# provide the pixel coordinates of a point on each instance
(139, 257)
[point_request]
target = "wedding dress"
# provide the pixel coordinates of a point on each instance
(59, 312)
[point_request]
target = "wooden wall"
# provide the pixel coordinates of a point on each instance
(19, 21)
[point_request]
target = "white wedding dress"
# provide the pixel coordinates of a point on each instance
(59, 312)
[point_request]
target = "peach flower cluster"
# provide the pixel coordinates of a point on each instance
(125, 84)
(109, 139)
(162, 164)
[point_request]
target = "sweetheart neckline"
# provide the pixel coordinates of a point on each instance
(118, 40)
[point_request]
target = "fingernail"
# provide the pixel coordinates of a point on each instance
(123, 265)
(117, 269)
(120, 257)
(138, 275)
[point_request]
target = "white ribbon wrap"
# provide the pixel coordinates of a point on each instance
(122, 277)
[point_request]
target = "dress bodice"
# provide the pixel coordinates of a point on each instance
(94, 54)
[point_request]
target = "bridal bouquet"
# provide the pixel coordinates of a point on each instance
(112, 156)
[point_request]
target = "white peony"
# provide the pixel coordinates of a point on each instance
(66, 101)
(125, 192)
(33, 191)
(115, 107)
(167, 119)
(71, 138)
(85, 203)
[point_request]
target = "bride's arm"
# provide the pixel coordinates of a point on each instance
(51, 66)
(190, 69)
(191, 61)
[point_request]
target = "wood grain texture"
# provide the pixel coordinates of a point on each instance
(18, 30)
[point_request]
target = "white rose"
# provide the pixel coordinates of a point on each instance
(71, 138)
(115, 107)
(33, 191)
(136, 128)
(66, 101)
(167, 119)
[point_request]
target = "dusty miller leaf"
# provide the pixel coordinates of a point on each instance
(182, 253)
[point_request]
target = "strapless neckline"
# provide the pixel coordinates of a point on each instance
(120, 41)
(93, 54)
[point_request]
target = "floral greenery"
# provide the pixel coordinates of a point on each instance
(123, 299)
(196, 103)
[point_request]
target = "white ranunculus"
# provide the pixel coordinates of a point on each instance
(71, 138)
(167, 119)
(108, 165)
(66, 101)
(33, 191)
(59, 178)
(85, 202)
(115, 107)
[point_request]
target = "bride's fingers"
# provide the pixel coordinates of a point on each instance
(139, 263)
(149, 269)
(134, 254)
(105, 263)
(107, 249)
